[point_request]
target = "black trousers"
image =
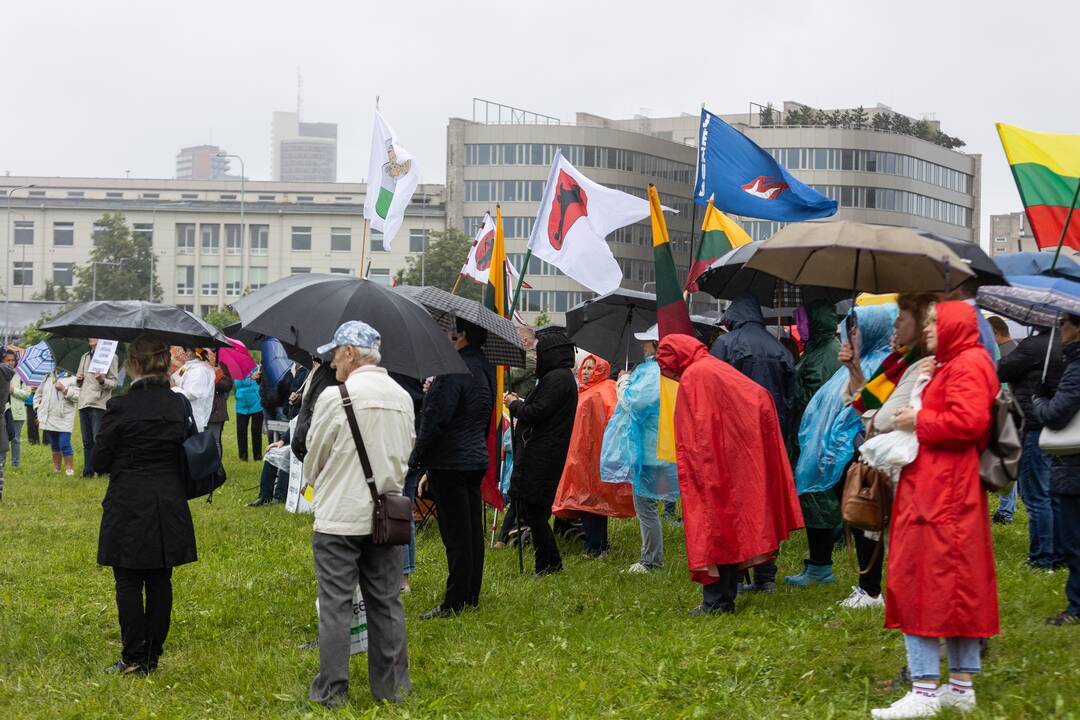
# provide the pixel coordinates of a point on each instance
(461, 525)
(143, 627)
(596, 535)
(821, 542)
(32, 433)
(537, 517)
(242, 422)
(720, 595)
(870, 581)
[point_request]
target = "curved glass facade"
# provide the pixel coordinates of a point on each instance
(582, 156)
(854, 196)
(874, 161)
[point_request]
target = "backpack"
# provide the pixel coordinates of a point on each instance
(999, 463)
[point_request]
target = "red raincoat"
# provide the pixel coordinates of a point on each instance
(580, 488)
(739, 499)
(940, 580)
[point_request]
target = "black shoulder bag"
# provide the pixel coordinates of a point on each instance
(200, 461)
(390, 521)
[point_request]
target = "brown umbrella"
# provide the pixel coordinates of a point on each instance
(860, 257)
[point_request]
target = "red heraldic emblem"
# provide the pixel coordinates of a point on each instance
(570, 203)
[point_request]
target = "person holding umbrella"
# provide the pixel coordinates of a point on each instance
(55, 403)
(94, 394)
(451, 445)
(16, 414)
(249, 413)
(195, 381)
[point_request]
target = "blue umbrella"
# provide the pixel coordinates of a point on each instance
(1037, 263)
(36, 364)
(275, 362)
(1032, 299)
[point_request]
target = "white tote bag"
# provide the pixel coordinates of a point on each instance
(1065, 441)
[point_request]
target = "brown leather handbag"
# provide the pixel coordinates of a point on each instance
(390, 523)
(867, 499)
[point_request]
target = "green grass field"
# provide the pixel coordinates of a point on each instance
(591, 642)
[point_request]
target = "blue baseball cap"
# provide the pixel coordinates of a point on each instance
(353, 332)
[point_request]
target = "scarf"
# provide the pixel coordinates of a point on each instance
(881, 385)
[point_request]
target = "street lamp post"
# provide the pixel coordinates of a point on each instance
(243, 238)
(7, 261)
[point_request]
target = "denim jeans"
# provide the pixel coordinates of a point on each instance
(1035, 491)
(89, 424)
(1007, 504)
(652, 532)
(60, 442)
(1068, 517)
(924, 656)
(273, 483)
(15, 444)
(412, 479)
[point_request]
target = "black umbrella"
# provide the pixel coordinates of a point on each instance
(605, 325)
(305, 310)
(728, 278)
(986, 270)
(126, 320)
(503, 345)
(236, 331)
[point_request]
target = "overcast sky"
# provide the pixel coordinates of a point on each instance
(96, 88)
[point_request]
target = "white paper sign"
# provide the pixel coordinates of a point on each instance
(101, 362)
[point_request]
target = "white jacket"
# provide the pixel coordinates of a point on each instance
(195, 381)
(384, 413)
(55, 409)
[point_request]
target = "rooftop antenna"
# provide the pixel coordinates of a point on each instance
(299, 94)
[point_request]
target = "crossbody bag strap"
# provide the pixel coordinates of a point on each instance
(358, 440)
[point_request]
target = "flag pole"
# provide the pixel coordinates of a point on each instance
(1065, 227)
(521, 279)
(456, 284)
(363, 245)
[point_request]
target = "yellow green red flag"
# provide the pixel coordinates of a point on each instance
(1046, 167)
(719, 234)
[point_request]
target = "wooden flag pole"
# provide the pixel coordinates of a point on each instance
(457, 283)
(363, 245)
(521, 279)
(1065, 228)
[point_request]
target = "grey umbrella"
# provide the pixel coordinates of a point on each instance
(728, 278)
(125, 320)
(605, 325)
(503, 346)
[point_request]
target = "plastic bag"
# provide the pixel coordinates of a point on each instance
(278, 457)
(895, 450)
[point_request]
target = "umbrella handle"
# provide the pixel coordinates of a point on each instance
(1049, 349)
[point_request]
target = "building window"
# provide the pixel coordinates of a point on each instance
(151, 196)
(185, 239)
(376, 241)
(234, 281)
(343, 198)
(380, 275)
(24, 232)
(299, 270)
(23, 274)
(256, 277)
(340, 239)
(305, 198)
(76, 194)
(211, 240)
(144, 231)
(418, 240)
(189, 196)
(209, 276)
(114, 195)
(301, 237)
(228, 196)
(234, 242)
(185, 279)
(266, 198)
(63, 274)
(97, 232)
(36, 193)
(341, 271)
(64, 234)
(259, 236)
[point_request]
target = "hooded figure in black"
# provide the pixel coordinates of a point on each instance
(544, 421)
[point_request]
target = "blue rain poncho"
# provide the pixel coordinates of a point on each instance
(829, 426)
(628, 454)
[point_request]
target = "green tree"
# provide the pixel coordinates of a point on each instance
(220, 317)
(858, 117)
(441, 265)
(542, 319)
(922, 130)
(901, 124)
(882, 121)
(54, 292)
(123, 262)
(767, 116)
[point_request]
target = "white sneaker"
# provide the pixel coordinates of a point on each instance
(637, 569)
(859, 598)
(912, 705)
(961, 702)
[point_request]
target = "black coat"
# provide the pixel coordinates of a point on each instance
(1023, 368)
(544, 423)
(222, 388)
(146, 523)
(456, 418)
(1055, 413)
(292, 383)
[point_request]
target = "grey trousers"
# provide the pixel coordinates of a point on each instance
(652, 532)
(340, 563)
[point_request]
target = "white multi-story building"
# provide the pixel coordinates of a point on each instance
(205, 253)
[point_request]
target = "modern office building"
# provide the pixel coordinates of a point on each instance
(506, 162)
(1011, 233)
(202, 162)
(205, 253)
(302, 151)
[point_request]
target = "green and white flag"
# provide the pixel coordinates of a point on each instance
(392, 178)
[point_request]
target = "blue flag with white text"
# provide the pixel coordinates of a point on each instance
(745, 180)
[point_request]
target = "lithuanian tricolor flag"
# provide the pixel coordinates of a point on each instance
(1046, 167)
(672, 317)
(719, 234)
(495, 300)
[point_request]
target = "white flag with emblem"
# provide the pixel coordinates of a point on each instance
(392, 178)
(478, 264)
(576, 215)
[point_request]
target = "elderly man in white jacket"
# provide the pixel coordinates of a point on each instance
(344, 554)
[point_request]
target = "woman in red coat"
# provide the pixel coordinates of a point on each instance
(581, 492)
(940, 580)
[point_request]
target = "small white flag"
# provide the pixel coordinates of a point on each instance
(478, 264)
(392, 178)
(576, 215)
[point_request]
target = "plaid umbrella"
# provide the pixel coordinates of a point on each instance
(1032, 299)
(503, 346)
(36, 364)
(728, 278)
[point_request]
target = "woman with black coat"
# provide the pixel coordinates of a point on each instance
(544, 421)
(1055, 413)
(146, 528)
